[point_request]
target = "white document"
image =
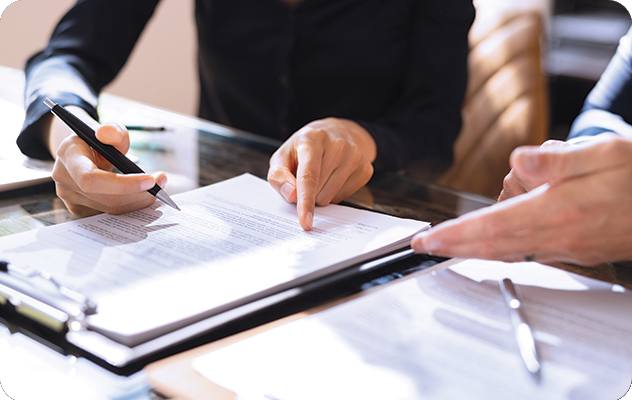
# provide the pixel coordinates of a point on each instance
(157, 269)
(443, 335)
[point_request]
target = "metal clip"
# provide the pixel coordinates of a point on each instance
(39, 297)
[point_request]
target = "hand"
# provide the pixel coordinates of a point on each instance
(325, 161)
(582, 215)
(83, 178)
(519, 181)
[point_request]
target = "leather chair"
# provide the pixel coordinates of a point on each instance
(506, 103)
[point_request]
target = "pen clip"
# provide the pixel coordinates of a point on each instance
(39, 297)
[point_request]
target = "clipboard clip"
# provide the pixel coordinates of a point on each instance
(39, 297)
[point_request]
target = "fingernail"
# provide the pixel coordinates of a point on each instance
(147, 184)
(309, 219)
(417, 243)
(421, 243)
(163, 181)
(287, 190)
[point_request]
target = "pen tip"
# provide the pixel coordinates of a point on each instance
(164, 197)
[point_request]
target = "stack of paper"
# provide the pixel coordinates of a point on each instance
(157, 270)
(443, 335)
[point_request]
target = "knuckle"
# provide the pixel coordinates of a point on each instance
(349, 152)
(64, 149)
(323, 200)
(341, 145)
(309, 179)
(312, 133)
(275, 173)
(57, 174)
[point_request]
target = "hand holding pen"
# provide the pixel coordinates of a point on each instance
(82, 171)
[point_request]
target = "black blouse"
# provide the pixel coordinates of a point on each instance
(397, 67)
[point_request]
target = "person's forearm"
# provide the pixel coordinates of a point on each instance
(54, 131)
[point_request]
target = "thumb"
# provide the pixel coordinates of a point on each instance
(552, 162)
(281, 178)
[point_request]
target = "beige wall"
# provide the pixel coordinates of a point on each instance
(160, 72)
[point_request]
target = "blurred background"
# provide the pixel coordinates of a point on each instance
(161, 70)
(583, 37)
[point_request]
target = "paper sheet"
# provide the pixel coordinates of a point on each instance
(442, 336)
(156, 267)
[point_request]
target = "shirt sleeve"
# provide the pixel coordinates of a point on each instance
(425, 119)
(87, 49)
(608, 107)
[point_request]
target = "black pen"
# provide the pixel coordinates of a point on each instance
(110, 153)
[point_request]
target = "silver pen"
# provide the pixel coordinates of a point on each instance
(522, 330)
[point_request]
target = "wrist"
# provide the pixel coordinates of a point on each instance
(55, 131)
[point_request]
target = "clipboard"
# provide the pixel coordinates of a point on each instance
(33, 303)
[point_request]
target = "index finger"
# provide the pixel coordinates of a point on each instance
(98, 181)
(89, 178)
(114, 135)
(511, 218)
(307, 181)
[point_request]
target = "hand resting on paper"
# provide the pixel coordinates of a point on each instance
(560, 202)
(324, 162)
(83, 178)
